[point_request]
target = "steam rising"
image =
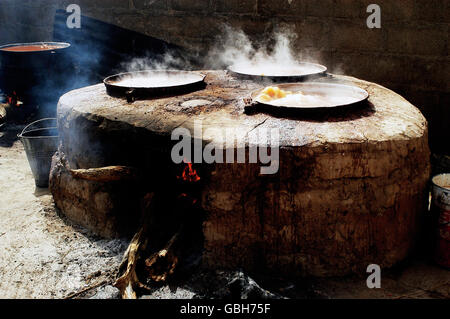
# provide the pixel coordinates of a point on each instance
(274, 55)
(236, 48)
(168, 61)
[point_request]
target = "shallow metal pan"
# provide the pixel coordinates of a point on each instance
(148, 84)
(320, 96)
(301, 72)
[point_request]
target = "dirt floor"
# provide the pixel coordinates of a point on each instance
(42, 255)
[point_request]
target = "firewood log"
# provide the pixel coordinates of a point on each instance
(106, 174)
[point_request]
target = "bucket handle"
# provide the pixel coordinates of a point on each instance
(33, 123)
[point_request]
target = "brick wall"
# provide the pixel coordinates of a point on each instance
(409, 54)
(26, 20)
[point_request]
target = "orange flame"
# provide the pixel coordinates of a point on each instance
(189, 173)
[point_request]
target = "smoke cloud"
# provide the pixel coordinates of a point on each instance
(234, 47)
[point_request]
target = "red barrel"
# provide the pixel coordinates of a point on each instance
(441, 212)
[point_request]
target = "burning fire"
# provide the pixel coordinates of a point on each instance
(13, 99)
(189, 173)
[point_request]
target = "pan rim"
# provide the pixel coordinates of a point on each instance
(60, 46)
(365, 95)
(323, 69)
(108, 80)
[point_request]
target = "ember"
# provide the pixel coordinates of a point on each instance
(185, 196)
(14, 99)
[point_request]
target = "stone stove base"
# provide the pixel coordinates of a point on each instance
(350, 191)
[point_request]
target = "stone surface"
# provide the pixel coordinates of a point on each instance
(350, 190)
(110, 208)
(411, 31)
(106, 292)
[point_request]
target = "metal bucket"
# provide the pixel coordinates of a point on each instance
(40, 140)
(440, 209)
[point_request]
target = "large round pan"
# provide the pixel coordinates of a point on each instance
(278, 73)
(27, 67)
(147, 84)
(316, 96)
(34, 47)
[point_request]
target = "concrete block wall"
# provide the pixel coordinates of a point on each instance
(409, 54)
(26, 20)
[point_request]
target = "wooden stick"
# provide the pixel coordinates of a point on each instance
(129, 281)
(105, 174)
(75, 294)
(166, 255)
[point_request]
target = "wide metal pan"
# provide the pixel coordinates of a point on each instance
(34, 67)
(155, 83)
(316, 96)
(278, 73)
